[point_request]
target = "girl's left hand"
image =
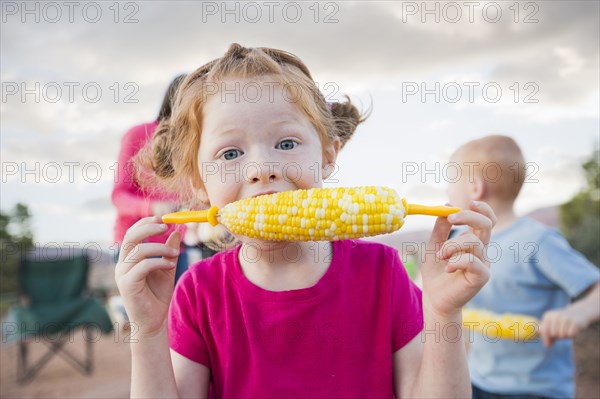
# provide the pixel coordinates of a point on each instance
(455, 270)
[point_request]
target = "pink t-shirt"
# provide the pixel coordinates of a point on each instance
(131, 201)
(334, 339)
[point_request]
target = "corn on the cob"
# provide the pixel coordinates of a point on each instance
(316, 214)
(515, 327)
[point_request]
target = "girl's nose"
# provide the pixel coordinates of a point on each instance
(262, 171)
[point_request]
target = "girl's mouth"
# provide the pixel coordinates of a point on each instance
(265, 193)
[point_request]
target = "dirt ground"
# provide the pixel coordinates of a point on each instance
(58, 379)
(587, 363)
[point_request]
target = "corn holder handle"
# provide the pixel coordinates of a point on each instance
(206, 216)
(314, 215)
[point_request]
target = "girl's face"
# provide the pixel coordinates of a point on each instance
(257, 144)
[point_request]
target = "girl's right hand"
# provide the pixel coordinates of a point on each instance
(145, 275)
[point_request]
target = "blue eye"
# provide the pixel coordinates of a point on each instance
(231, 154)
(286, 145)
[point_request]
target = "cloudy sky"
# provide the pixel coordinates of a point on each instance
(76, 76)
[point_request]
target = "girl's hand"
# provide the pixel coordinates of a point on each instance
(145, 275)
(455, 270)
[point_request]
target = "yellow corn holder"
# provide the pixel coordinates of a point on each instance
(317, 214)
(507, 326)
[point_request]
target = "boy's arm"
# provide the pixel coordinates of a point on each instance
(589, 305)
(569, 321)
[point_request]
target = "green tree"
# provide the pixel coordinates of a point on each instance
(580, 217)
(15, 239)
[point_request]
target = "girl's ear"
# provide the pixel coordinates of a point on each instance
(478, 189)
(330, 154)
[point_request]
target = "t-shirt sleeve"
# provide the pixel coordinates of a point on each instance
(126, 194)
(564, 265)
(406, 307)
(185, 336)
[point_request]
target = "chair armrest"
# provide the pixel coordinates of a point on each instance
(99, 293)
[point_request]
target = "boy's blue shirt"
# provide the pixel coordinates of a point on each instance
(533, 270)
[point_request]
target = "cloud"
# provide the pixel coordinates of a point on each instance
(555, 53)
(100, 204)
(369, 50)
(99, 148)
(389, 46)
(439, 124)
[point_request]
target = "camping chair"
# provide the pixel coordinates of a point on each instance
(53, 282)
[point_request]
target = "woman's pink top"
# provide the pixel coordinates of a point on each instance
(132, 203)
(332, 340)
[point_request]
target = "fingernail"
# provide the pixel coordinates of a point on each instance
(475, 203)
(174, 251)
(162, 226)
(452, 217)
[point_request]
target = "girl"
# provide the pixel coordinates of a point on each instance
(279, 319)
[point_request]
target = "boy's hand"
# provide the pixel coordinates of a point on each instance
(455, 270)
(558, 324)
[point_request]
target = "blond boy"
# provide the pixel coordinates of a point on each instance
(534, 271)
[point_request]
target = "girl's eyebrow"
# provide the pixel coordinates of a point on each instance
(232, 131)
(287, 118)
(228, 132)
(286, 122)
(278, 120)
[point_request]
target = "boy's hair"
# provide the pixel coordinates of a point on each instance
(173, 153)
(499, 161)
